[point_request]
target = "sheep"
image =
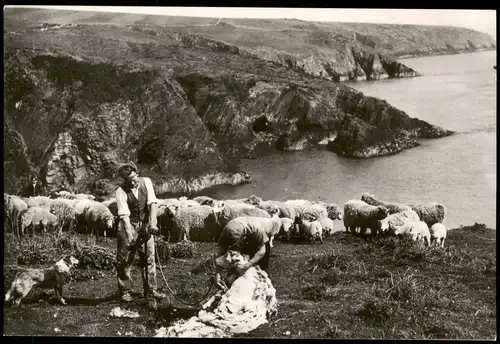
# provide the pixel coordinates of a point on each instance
(285, 210)
(65, 213)
(252, 200)
(13, 205)
(97, 216)
(438, 233)
(418, 231)
(198, 223)
(389, 224)
(68, 195)
(231, 211)
(333, 210)
(430, 213)
(270, 225)
(305, 208)
(38, 201)
(35, 216)
(360, 214)
(327, 225)
(205, 200)
(311, 228)
(286, 226)
(392, 207)
(187, 202)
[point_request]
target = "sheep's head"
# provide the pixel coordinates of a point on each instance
(334, 212)
(383, 225)
(382, 212)
(273, 210)
(172, 210)
(253, 200)
(109, 223)
(231, 259)
(367, 197)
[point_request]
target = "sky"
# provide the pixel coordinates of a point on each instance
(480, 20)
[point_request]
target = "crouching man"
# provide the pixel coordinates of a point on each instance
(136, 205)
(247, 240)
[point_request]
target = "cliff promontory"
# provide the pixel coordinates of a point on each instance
(80, 99)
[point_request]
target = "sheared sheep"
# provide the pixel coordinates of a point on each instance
(13, 205)
(418, 231)
(430, 213)
(197, 223)
(233, 210)
(98, 217)
(360, 214)
(285, 210)
(37, 216)
(438, 233)
(392, 207)
(389, 224)
(312, 229)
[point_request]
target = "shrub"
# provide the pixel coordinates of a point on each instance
(376, 311)
(183, 249)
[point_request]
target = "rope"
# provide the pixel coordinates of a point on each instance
(172, 292)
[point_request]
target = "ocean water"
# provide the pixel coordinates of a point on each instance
(456, 92)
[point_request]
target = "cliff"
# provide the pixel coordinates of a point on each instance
(80, 99)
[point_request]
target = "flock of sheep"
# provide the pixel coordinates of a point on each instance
(203, 218)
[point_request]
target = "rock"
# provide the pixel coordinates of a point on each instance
(78, 111)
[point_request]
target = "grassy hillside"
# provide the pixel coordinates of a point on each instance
(345, 288)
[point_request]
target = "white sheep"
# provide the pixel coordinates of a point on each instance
(65, 213)
(430, 213)
(392, 207)
(205, 200)
(284, 210)
(187, 202)
(389, 224)
(38, 201)
(241, 224)
(68, 195)
(438, 233)
(418, 231)
(328, 226)
(231, 211)
(37, 216)
(360, 214)
(13, 205)
(197, 223)
(333, 210)
(312, 229)
(98, 217)
(286, 227)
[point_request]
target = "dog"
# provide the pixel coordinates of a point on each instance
(53, 277)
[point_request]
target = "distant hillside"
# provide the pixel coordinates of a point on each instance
(79, 99)
(335, 51)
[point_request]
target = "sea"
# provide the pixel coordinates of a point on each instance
(456, 92)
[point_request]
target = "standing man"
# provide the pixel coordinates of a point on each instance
(34, 188)
(136, 203)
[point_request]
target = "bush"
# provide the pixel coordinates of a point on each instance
(183, 249)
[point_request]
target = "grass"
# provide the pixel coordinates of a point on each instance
(345, 288)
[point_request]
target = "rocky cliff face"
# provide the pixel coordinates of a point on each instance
(85, 99)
